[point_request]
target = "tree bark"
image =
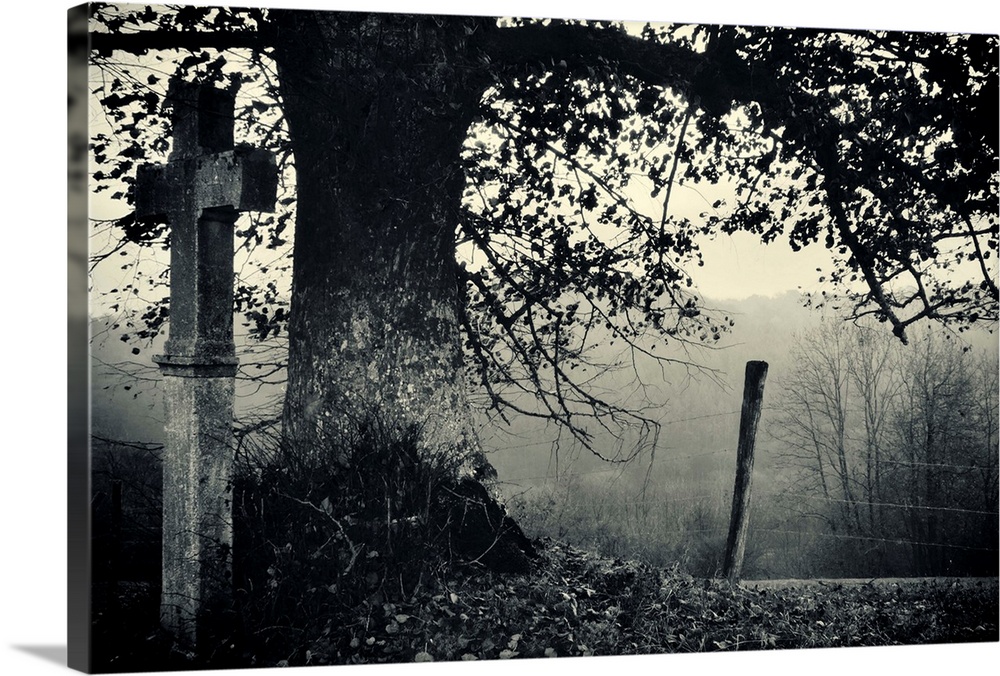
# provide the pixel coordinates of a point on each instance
(378, 113)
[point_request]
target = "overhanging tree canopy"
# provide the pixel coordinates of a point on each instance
(519, 146)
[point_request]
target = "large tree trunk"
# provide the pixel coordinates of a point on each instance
(378, 113)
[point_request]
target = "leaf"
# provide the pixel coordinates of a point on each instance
(424, 657)
(401, 618)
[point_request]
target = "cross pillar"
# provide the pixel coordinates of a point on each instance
(201, 190)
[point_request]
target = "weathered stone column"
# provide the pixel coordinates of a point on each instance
(197, 526)
(201, 190)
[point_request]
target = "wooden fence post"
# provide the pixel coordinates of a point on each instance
(753, 395)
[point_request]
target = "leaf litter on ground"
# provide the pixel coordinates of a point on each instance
(576, 603)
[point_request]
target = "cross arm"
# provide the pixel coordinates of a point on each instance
(245, 179)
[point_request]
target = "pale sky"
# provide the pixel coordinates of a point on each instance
(738, 266)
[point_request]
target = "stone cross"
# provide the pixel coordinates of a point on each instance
(201, 190)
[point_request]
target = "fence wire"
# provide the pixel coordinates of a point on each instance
(895, 541)
(884, 504)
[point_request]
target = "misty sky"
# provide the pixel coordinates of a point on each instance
(738, 266)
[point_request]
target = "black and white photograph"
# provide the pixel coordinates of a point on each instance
(416, 336)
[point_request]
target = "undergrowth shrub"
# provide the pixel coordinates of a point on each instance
(338, 533)
(126, 537)
(649, 527)
(319, 532)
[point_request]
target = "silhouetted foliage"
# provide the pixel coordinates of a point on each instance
(530, 141)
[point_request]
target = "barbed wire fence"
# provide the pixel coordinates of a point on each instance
(684, 510)
(783, 506)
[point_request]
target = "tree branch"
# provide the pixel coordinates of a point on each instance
(143, 42)
(579, 46)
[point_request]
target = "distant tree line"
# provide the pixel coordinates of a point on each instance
(893, 449)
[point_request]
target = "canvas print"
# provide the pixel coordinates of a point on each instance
(420, 338)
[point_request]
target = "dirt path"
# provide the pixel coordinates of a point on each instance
(881, 581)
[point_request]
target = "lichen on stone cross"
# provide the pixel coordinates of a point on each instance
(200, 191)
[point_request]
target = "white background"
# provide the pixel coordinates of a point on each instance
(33, 311)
